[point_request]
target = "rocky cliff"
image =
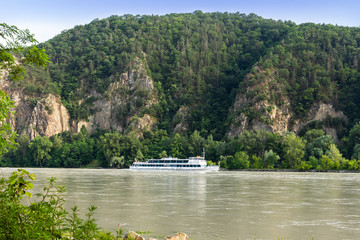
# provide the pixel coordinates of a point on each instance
(260, 105)
(44, 115)
(124, 104)
(263, 104)
(122, 107)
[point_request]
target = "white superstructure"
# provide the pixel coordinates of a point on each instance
(170, 163)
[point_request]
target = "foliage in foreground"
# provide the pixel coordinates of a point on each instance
(13, 41)
(45, 218)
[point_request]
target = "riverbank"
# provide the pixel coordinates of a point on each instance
(288, 170)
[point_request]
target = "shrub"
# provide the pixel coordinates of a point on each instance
(45, 218)
(304, 166)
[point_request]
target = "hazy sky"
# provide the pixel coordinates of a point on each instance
(47, 18)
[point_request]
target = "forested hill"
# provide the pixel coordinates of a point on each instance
(218, 73)
(196, 61)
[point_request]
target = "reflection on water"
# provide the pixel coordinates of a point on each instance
(217, 205)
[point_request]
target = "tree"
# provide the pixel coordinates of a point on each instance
(13, 41)
(313, 162)
(325, 163)
(163, 154)
(312, 134)
(239, 161)
(117, 162)
(270, 158)
(335, 156)
(319, 146)
(110, 146)
(256, 162)
(354, 138)
(139, 156)
(178, 145)
(40, 148)
(293, 150)
(7, 135)
(196, 143)
(356, 152)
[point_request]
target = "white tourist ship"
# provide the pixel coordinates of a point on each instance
(170, 163)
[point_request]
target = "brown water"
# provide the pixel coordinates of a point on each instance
(217, 205)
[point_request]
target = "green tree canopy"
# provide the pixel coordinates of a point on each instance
(40, 149)
(293, 148)
(319, 146)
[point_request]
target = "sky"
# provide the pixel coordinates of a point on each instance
(47, 18)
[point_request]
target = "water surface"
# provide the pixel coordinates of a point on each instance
(217, 205)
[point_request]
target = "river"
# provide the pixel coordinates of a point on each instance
(216, 205)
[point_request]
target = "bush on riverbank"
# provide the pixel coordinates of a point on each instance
(45, 218)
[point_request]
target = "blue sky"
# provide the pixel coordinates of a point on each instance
(47, 18)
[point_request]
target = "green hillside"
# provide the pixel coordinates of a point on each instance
(199, 62)
(196, 60)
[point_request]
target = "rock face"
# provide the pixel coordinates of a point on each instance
(179, 121)
(44, 117)
(264, 105)
(261, 105)
(121, 108)
(320, 112)
(123, 103)
(48, 117)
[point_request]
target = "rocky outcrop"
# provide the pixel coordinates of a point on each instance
(133, 236)
(178, 236)
(34, 116)
(122, 106)
(49, 117)
(320, 112)
(261, 105)
(264, 105)
(179, 121)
